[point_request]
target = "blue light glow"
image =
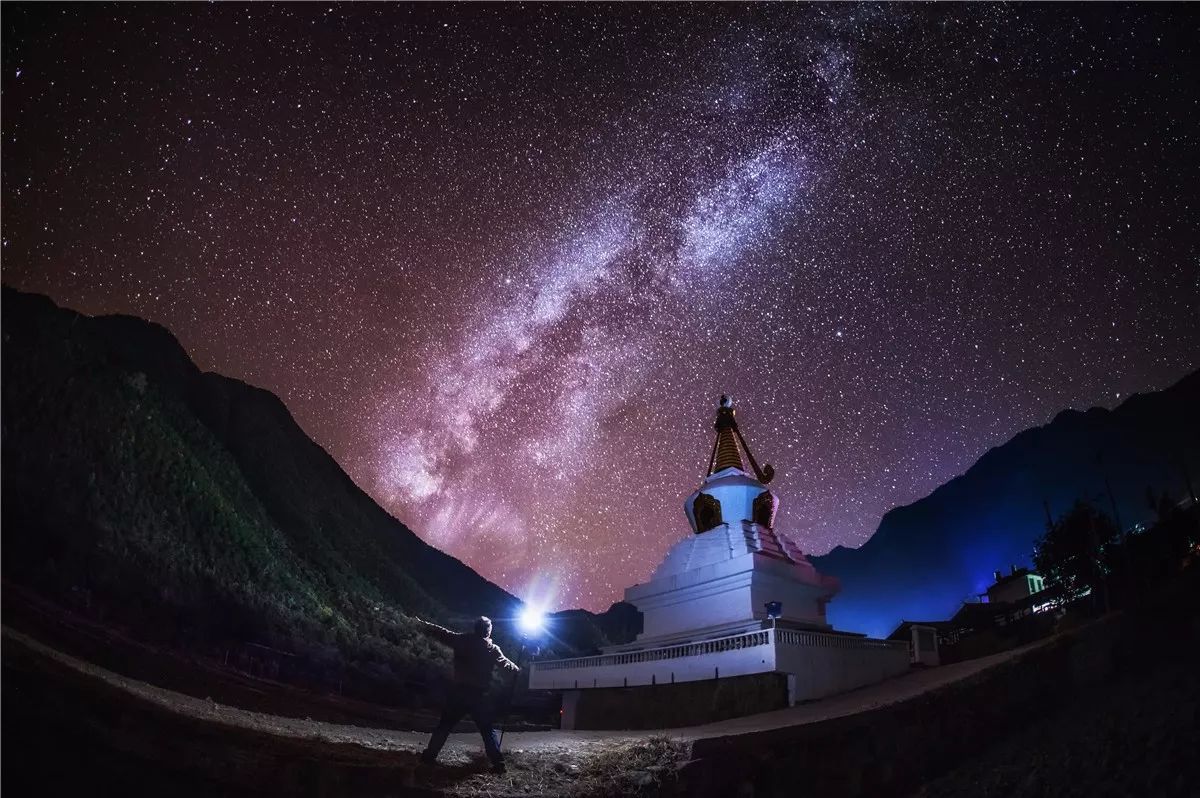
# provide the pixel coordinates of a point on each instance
(531, 620)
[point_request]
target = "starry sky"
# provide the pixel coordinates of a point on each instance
(500, 261)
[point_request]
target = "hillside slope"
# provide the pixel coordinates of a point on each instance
(927, 557)
(191, 509)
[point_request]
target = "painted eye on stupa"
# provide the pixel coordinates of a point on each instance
(708, 512)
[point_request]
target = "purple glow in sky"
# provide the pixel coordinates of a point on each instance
(501, 262)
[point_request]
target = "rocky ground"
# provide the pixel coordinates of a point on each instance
(585, 768)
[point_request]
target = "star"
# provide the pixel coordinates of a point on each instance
(501, 262)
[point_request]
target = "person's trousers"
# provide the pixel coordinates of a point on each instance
(466, 701)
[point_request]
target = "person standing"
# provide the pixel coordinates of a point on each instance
(475, 656)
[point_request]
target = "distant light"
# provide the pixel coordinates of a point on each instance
(774, 609)
(531, 620)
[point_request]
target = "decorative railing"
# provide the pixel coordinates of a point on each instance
(794, 637)
(788, 637)
(716, 646)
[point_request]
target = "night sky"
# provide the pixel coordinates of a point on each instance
(502, 261)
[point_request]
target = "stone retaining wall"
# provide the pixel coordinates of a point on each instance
(680, 704)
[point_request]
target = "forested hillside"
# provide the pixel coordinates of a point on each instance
(190, 510)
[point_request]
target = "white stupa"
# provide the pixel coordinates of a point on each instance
(720, 579)
(733, 598)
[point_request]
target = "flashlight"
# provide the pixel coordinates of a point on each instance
(531, 620)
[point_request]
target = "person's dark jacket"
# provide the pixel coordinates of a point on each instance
(474, 656)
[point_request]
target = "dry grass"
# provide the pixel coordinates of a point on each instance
(594, 769)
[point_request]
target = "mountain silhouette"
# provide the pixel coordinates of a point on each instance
(927, 557)
(191, 511)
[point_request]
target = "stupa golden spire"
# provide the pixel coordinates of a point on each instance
(729, 445)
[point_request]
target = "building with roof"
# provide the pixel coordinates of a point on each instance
(981, 627)
(1018, 585)
(734, 598)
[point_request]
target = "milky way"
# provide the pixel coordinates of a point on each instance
(501, 261)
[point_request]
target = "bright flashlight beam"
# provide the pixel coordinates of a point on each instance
(531, 620)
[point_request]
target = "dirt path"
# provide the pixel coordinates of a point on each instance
(127, 734)
(895, 690)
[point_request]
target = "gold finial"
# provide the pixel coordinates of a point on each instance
(726, 452)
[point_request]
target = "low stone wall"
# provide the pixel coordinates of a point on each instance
(680, 704)
(732, 655)
(823, 663)
(826, 665)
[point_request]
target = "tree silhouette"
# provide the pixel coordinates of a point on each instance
(1151, 555)
(1071, 553)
